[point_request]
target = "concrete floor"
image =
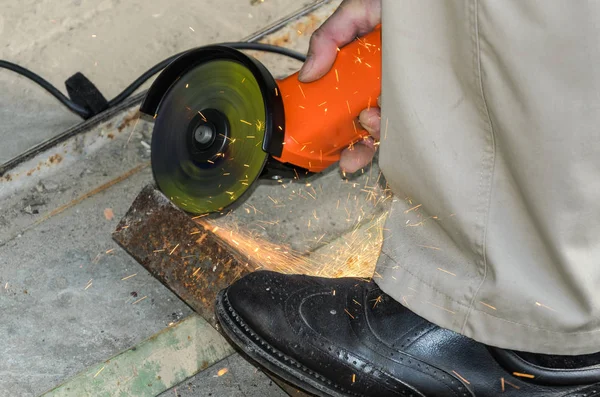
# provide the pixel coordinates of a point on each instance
(112, 42)
(64, 302)
(242, 379)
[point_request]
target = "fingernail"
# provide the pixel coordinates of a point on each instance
(305, 69)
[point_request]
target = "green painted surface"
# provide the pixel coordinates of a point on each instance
(153, 366)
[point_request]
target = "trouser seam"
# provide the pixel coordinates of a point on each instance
(490, 130)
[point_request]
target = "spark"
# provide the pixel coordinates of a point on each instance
(355, 301)
(139, 300)
(353, 378)
(522, 375)
(161, 250)
(490, 306)
(187, 85)
(109, 251)
(191, 28)
(368, 64)
(337, 76)
(321, 104)
(378, 300)
(348, 104)
(244, 79)
(463, 379)
(446, 271)
(502, 384)
(98, 373)
(544, 306)
(302, 91)
(276, 92)
(369, 104)
(413, 208)
(405, 302)
(222, 371)
(128, 277)
(201, 115)
(246, 122)
(356, 255)
(173, 250)
(250, 136)
(301, 107)
(348, 313)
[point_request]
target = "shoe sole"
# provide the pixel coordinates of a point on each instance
(269, 357)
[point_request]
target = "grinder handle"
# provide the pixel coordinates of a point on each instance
(321, 117)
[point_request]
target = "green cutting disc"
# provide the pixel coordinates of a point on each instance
(208, 134)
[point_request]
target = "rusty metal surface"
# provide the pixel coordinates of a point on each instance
(188, 259)
(184, 256)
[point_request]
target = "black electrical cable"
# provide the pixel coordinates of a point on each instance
(75, 108)
(82, 112)
(237, 45)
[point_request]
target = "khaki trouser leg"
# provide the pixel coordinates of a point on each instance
(491, 143)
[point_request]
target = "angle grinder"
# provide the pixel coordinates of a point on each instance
(222, 121)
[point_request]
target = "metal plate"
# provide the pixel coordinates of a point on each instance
(185, 257)
(188, 259)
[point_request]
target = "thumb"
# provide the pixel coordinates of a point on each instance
(352, 18)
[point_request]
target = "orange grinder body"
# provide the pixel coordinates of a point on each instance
(321, 117)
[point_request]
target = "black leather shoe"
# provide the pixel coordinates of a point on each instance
(345, 337)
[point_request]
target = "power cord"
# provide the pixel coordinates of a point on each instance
(85, 113)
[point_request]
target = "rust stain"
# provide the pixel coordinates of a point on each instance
(55, 159)
(300, 28)
(197, 270)
(128, 120)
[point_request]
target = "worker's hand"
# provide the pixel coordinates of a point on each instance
(352, 18)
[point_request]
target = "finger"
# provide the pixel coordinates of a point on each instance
(359, 156)
(352, 18)
(370, 120)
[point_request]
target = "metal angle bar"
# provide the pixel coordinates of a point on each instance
(184, 256)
